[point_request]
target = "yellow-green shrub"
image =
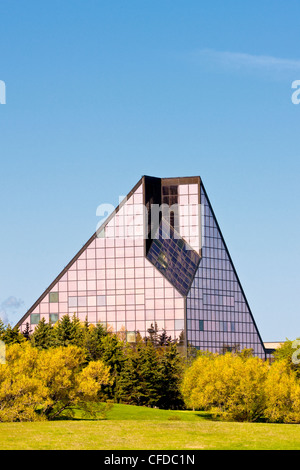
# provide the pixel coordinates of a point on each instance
(282, 389)
(38, 384)
(228, 385)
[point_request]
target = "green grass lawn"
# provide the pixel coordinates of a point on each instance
(133, 428)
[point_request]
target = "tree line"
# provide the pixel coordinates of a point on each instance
(57, 367)
(148, 372)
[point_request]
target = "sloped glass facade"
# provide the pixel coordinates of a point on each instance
(182, 279)
(112, 282)
(218, 316)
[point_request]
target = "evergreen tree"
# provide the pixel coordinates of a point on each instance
(170, 377)
(26, 332)
(138, 382)
(153, 334)
(12, 335)
(149, 370)
(69, 331)
(164, 339)
(129, 384)
(43, 336)
(92, 341)
(112, 354)
(2, 328)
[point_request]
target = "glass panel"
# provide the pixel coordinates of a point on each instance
(72, 301)
(81, 301)
(53, 317)
(34, 318)
(170, 254)
(216, 295)
(101, 300)
(130, 336)
(53, 297)
(179, 324)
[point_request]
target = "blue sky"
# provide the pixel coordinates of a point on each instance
(100, 92)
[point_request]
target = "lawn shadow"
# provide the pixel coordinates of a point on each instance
(207, 416)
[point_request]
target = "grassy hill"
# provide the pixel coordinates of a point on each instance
(132, 428)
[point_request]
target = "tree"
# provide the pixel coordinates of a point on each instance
(111, 351)
(151, 376)
(61, 370)
(170, 377)
(43, 336)
(27, 331)
(12, 335)
(283, 393)
(289, 352)
(69, 331)
(21, 391)
(42, 383)
(138, 381)
(2, 328)
(164, 339)
(92, 341)
(153, 334)
(129, 383)
(229, 385)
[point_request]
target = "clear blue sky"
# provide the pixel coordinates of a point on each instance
(100, 92)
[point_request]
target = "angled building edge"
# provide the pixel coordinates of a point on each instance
(186, 283)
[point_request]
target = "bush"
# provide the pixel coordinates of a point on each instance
(282, 389)
(241, 388)
(39, 384)
(228, 385)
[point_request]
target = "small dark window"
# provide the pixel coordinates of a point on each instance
(53, 297)
(201, 325)
(34, 318)
(53, 317)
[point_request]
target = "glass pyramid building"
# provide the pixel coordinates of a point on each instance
(158, 259)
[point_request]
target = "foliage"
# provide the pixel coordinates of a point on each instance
(57, 367)
(229, 385)
(151, 376)
(289, 351)
(9, 334)
(21, 392)
(39, 384)
(43, 336)
(282, 389)
(245, 388)
(69, 331)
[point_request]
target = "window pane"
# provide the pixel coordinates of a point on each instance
(101, 301)
(53, 317)
(53, 297)
(72, 301)
(34, 318)
(82, 301)
(179, 324)
(130, 336)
